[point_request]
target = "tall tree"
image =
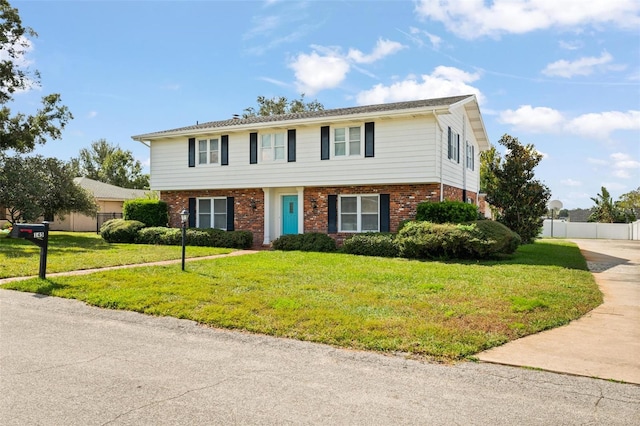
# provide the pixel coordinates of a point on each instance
(520, 199)
(22, 132)
(35, 187)
(281, 105)
(110, 164)
(605, 210)
(630, 203)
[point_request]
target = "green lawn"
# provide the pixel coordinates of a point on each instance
(435, 310)
(70, 251)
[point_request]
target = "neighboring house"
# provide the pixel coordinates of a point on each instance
(336, 171)
(110, 200)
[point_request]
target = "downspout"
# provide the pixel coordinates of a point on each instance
(435, 115)
(464, 160)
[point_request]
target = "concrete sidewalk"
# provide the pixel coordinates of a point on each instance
(605, 343)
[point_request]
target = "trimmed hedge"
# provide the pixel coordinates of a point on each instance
(312, 241)
(475, 240)
(149, 212)
(426, 240)
(372, 244)
(446, 212)
(120, 230)
(195, 237)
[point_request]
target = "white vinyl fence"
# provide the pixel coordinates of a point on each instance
(609, 231)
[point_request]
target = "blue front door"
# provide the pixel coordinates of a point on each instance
(289, 214)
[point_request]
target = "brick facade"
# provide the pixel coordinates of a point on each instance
(249, 204)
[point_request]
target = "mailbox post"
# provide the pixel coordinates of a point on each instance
(38, 234)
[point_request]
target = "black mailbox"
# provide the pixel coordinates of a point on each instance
(29, 231)
(38, 234)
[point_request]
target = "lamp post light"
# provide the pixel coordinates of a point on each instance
(184, 217)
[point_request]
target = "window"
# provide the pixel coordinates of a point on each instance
(272, 147)
(212, 213)
(453, 146)
(470, 156)
(346, 141)
(208, 151)
(359, 213)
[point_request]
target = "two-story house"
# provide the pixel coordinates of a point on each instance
(337, 171)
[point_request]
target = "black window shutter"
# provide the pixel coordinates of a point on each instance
(449, 145)
(230, 214)
(385, 217)
(332, 227)
(224, 148)
(324, 142)
(192, 212)
(458, 150)
(253, 148)
(473, 157)
(369, 136)
(291, 145)
(192, 152)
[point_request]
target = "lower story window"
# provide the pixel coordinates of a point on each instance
(359, 213)
(212, 213)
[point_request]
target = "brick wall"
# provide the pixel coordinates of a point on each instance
(403, 202)
(246, 217)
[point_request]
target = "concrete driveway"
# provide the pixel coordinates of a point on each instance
(604, 343)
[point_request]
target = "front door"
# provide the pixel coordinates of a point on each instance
(289, 214)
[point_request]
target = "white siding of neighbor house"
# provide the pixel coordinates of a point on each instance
(407, 150)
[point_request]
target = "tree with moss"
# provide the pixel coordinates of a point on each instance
(511, 187)
(18, 131)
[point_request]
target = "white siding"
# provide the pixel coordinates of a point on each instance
(406, 151)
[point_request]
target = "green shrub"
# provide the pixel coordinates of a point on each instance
(446, 212)
(312, 241)
(195, 237)
(120, 230)
(150, 212)
(475, 240)
(372, 244)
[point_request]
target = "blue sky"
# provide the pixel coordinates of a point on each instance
(563, 75)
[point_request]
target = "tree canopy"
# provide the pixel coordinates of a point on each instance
(110, 164)
(608, 211)
(281, 105)
(511, 187)
(35, 187)
(19, 131)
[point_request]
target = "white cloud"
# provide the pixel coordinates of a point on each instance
(444, 81)
(326, 67)
(476, 18)
(316, 72)
(570, 45)
(549, 120)
(433, 39)
(623, 164)
(383, 48)
(597, 161)
(571, 182)
(601, 125)
(535, 120)
(582, 66)
(92, 114)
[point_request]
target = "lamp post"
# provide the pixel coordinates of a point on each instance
(184, 217)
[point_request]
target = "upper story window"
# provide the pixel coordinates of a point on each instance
(208, 151)
(453, 146)
(212, 213)
(471, 157)
(272, 147)
(359, 213)
(347, 141)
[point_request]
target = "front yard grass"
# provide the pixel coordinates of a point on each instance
(70, 251)
(442, 311)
